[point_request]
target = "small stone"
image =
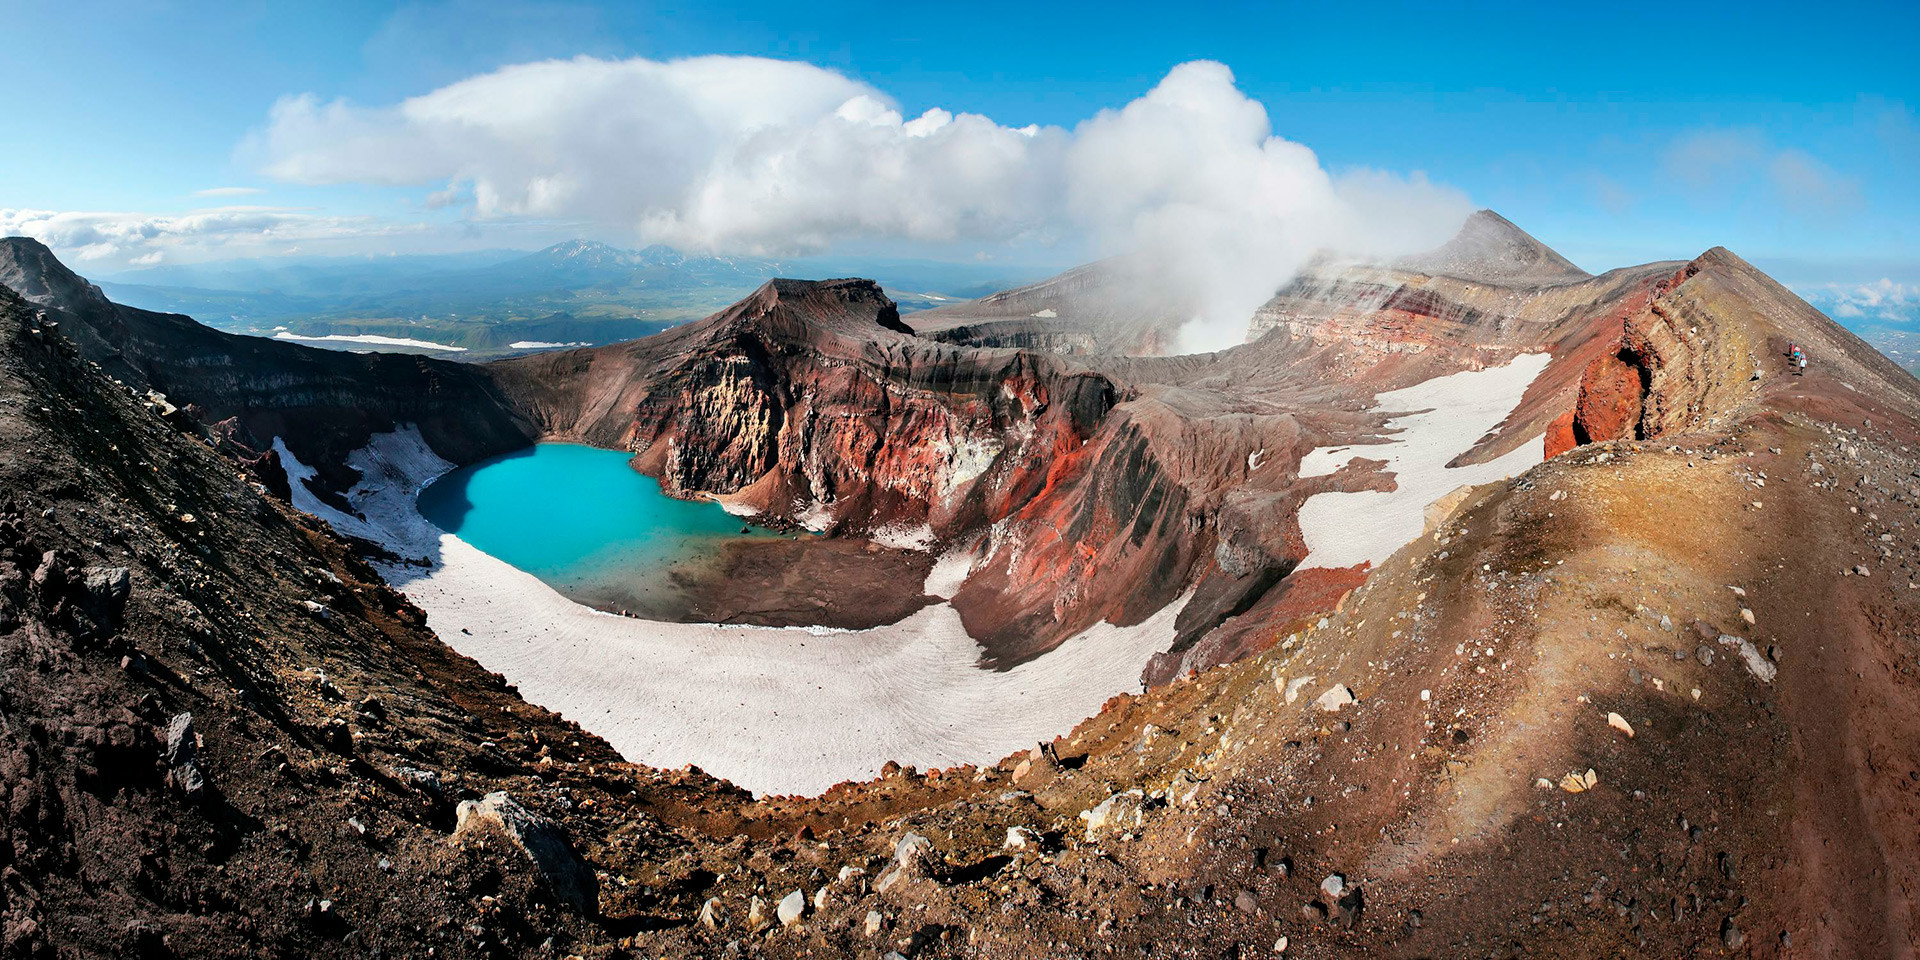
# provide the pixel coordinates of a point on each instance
(710, 913)
(757, 915)
(1245, 902)
(1019, 838)
(1333, 885)
(874, 922)
(1280, 945)
(792, 908)
(1746, 615)
(1620, 723)
(1731, 934)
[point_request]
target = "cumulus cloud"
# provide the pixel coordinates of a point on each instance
(748, 155)
(143, 239)
(1883, 299)
(1192, 176)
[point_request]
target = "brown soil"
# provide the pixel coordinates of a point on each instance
(810, 581)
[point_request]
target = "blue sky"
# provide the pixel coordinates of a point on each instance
(1615, 134)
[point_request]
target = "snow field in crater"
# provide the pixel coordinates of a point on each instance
(1446, 417)
(775, 710)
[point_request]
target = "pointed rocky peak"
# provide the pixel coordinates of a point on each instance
(31, 270)
(1490, 249)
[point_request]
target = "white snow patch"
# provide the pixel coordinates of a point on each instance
(371, 339)
(905, 536)
(773, 710)
(816, 517)
(1256, 458)
(544, 344)
(1047, 314)
(1449, 415)
(950, 571)
(737, 508)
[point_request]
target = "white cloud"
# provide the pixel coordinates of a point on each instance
(1191, 175)
(741, 154)
(228, 192)
(141, 239)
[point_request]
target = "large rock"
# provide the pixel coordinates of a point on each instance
(183, 757)
(1122, 811)
(542, 840)
(912, 860)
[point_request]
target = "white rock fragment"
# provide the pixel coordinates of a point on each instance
(1337, 696)
(792, 908)
(1294, 686)
(1121, 811)
(1757, 662)
(1620, 723)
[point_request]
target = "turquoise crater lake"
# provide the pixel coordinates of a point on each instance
(588, 524)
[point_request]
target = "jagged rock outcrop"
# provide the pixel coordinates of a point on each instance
(811, 403)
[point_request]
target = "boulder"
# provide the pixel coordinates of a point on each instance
(103, 596)
(543, 842)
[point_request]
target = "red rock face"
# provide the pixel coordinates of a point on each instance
(810, 403)
(1560, 437)
(1609, 405)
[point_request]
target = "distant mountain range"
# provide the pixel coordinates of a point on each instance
(497, 302)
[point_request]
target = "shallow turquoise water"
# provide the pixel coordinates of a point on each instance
(582, 520)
